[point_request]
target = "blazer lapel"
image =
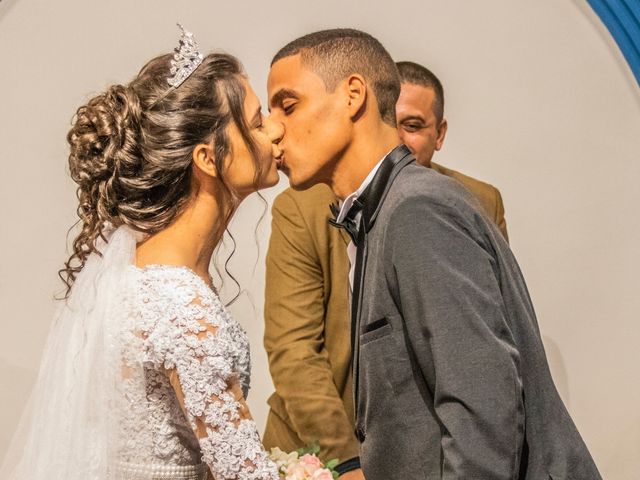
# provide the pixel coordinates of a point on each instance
(373, 198)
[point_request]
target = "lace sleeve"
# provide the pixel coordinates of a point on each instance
(198, 351)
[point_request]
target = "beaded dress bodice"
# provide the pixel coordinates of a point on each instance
(182, 353)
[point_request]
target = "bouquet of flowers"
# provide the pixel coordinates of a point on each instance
(303, 464)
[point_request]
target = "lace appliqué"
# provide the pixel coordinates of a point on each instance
(179, 326)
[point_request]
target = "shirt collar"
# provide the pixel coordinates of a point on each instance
(346, 204)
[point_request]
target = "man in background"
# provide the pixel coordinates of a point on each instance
(307, 315)
(423, 127)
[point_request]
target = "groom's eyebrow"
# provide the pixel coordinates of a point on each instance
(280, 96)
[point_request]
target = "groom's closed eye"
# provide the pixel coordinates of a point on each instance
(288, 106)
(283, 98)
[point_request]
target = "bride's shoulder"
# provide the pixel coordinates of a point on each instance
(173, 291)
(174, 313)
(168, 280)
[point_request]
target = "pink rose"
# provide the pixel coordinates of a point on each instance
(322, 474)
(311, 463)
(311, 460)
(295, 471)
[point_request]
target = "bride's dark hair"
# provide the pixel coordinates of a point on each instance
(131, 148)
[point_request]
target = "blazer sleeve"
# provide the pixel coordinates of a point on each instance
(294, 335)
(501, 222)
(447, 288)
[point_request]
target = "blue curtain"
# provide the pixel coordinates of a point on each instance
(622, 18)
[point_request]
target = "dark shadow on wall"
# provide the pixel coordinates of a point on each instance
(15, 387)
(558, 369)
(611, 44)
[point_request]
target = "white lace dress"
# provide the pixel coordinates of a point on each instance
(181, 416)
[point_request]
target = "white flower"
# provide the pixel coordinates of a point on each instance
(282, 459)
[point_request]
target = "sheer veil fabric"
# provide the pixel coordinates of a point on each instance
(68, 430)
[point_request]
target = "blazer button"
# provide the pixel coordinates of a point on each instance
(360, 434)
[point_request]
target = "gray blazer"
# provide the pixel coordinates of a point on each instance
(450, 375)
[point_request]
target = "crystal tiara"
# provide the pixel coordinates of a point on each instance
(185, 59)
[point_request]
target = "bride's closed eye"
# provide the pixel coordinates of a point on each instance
(258, 120)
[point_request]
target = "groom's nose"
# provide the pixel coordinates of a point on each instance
(275, 129)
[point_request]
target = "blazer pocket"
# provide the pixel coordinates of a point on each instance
(375, 330)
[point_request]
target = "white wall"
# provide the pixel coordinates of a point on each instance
(540, 103)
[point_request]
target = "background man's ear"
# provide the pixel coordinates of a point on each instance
(442, 132)
(204, 160)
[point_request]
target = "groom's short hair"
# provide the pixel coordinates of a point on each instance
(335, 54)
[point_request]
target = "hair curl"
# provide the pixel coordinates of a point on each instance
(131, 148)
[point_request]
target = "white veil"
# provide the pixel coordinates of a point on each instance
(67, 430)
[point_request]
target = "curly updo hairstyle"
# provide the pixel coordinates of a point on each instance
(131, 148)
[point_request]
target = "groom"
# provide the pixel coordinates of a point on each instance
(450, 375)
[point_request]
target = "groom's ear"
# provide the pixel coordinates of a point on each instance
(357, 94)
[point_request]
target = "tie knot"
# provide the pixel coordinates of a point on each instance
(349, 222)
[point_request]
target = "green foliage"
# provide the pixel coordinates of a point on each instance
(314, 449)
(331, 464)
(311, 449)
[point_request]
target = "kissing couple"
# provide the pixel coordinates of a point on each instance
(145, 374)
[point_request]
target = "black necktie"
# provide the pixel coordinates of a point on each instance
(349, 222)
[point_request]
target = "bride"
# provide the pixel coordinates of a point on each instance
(145, 374)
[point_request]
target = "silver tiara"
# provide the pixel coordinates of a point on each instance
(185, 60)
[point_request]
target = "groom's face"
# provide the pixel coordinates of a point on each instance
(316, 122)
